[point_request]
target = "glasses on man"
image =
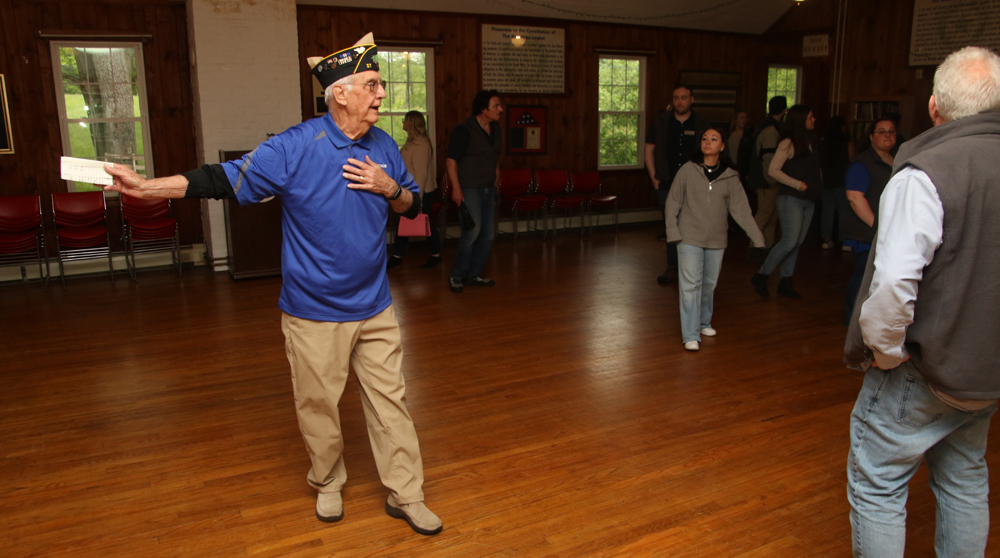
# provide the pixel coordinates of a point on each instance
(373, 85)
(884, 132)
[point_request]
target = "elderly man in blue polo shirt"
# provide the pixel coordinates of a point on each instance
(337, 177)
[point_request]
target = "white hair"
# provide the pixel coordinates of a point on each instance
(328, 92)
(967, 83)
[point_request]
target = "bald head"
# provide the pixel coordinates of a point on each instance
(967, 83)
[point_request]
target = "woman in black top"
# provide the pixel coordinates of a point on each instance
(796, 166)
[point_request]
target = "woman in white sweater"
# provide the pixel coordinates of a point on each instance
(703, 195)
(418, 155)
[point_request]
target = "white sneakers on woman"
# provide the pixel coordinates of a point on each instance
(708, 332)
(692, 345)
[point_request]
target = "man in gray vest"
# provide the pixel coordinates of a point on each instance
(927, 325)
(473, 166)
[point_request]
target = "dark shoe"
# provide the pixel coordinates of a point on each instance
(757, 255)
(669, 276)
(785, 288)
(478, 281)
(455, 285)
(759, 281)
(393, 262)
(431, 262)
(662, 237)
(421, 519)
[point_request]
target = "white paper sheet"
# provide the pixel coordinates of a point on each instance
(84, 170)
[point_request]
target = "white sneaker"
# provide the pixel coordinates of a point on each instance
(708, 332)
(692, 345)
(329, 507)
(845, 248)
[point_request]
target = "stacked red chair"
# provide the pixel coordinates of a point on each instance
(81, 221)
(22, 236)
(589, 185)
(148, 228)
(554, 184)
(516, 194)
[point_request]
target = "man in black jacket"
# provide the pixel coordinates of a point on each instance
(672, 137)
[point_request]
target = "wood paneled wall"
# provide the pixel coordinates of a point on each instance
(875, 65)
(26, 64)
(572, 134)
(876, 56)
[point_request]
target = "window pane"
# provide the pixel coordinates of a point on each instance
(618, 92)
(418, 96)
(399, 97)
(101, 88)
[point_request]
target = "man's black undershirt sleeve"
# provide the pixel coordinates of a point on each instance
(210, 181)
(414, 208)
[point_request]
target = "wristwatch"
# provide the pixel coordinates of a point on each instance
(399, 192)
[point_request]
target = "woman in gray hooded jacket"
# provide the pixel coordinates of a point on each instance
(703, 195)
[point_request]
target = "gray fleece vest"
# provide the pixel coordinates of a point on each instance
(879, 172)
(954, 339)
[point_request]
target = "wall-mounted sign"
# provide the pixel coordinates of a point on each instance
(537, 66)
(940, 27)
(816, 45)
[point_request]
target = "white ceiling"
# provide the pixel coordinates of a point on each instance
(735, 16)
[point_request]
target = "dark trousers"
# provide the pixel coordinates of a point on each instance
(854, 284)
(661, 197)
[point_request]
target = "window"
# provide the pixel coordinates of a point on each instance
(102, 104)
(409, 85)
(784, 80)
(621, 107)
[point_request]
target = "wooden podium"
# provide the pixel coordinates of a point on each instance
(253, 233)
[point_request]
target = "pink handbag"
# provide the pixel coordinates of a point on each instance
(418, 226)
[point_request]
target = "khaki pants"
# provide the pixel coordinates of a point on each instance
(767, 213)
(320, 355)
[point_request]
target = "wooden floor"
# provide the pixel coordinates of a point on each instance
(558, 415)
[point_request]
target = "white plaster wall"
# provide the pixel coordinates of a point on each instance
(245, 74)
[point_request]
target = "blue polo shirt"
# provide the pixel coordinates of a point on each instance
(858, 179)
(333, 247)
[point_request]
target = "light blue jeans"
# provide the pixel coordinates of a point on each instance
(795, 216)
(474, 245)
(897, 422)
(698, 273)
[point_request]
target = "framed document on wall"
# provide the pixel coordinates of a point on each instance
(6, 139)
(526, 129)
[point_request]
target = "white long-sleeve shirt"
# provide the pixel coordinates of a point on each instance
(910, 230)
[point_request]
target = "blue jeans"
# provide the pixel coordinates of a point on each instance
(474, 245)
(795, 216)
(697, 276)
(897, 422)
(433, 242)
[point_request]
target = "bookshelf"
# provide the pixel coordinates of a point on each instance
(866, 111)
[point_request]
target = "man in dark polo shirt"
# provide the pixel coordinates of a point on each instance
(473, 166)
(671, 139)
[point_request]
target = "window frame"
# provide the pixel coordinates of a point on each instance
(798, 83)
(429, 114)
(65, 121)
(640, 113)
